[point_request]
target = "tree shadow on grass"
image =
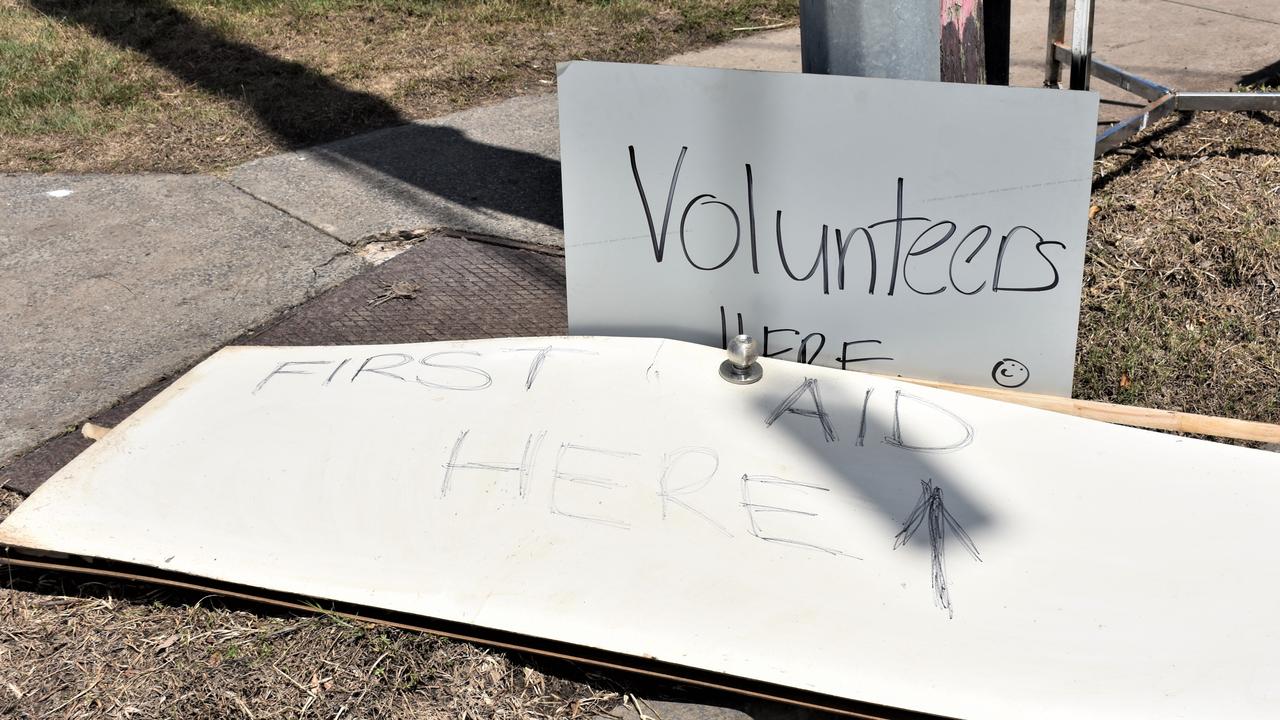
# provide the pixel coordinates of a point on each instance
(302, 107)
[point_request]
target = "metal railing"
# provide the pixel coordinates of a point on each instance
(1162, 101)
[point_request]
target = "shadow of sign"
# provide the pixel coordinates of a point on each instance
(888, 446)
(301, 107)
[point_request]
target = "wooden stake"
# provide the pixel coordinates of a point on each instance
(1124, 414)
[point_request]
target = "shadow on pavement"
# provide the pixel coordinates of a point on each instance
(302, 107)
(1268, 76)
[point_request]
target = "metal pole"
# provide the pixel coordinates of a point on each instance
(1057, 35)
(871, 38)
(1082, 45)
(996, 18)
(1162, 101)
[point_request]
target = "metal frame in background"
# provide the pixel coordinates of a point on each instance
(1161, 101)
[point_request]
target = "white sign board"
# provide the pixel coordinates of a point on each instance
(930, 230)
(833, 531)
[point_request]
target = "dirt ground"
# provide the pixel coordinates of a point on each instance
(1180, 310)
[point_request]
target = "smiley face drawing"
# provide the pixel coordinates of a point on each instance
(1010, 373)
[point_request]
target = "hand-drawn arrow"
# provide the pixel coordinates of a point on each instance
(929, 507)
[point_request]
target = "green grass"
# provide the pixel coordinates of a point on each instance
(49, 85)
(194, 85)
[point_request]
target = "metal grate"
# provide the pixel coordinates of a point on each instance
(467, 289)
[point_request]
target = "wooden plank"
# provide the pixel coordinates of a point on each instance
(1133, 416)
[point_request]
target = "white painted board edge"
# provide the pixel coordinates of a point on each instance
(1102, 571)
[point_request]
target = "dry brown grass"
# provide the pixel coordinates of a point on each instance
(194, 85)
(73, 648)
(1181, 310)
(8, 501)
(1181, 306)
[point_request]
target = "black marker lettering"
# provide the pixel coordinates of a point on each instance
(751, 219)
(334, 374)
(862, 426)
(280, 370)
(951, 269)
(1040, 243)
(724, 329)
(364, 366)
(650, 372)
(842, 246)
(540, 356)
(844, 358)
(821, 259)
(485, 379)
(590, 480)
(737, 231)
(930, 512)
(754, 508)
(897, 241)
(659, 242)
(804, 356)
(895, 439)
(898, 220)
(524, 468)
(670, 495)
(810, 386)
(912, 252)
(769, 331)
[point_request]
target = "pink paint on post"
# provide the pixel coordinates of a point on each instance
(958, 12)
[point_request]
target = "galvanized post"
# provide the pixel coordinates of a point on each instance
(871, 38)
(1057, 34)
(1082, 45)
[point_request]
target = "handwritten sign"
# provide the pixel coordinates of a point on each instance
(831, 531)
(929, 230)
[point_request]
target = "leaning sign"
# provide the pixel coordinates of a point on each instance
(922, 229)
(614, 500)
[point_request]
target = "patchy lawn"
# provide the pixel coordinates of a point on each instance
(78, 647)
(1181, 305)
(193, 85)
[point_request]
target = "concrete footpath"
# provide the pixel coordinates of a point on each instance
(110, 282)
